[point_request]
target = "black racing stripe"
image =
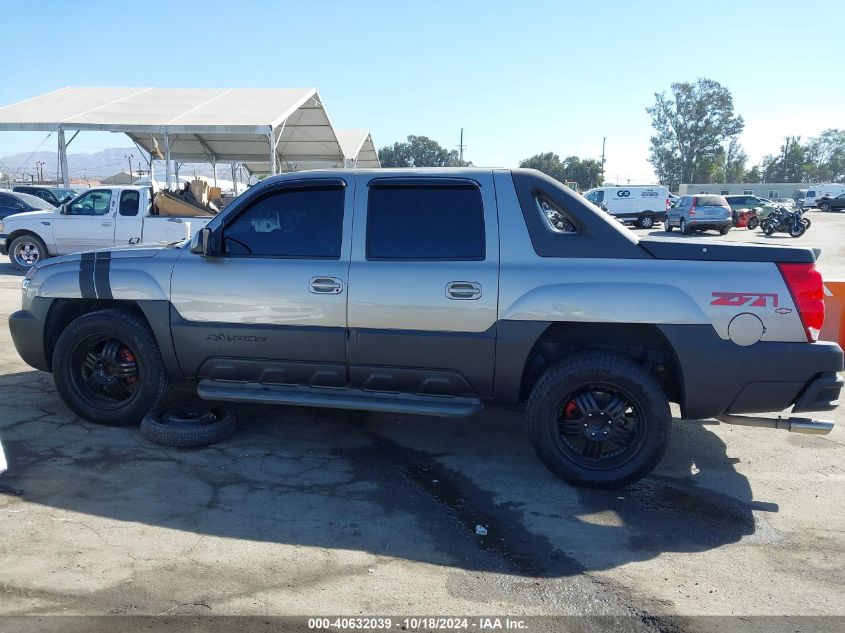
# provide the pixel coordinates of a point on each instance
(86, 276)
(101, 275)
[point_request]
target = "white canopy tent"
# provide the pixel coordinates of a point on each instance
(270, 125)
(358, 148)
(356, 145)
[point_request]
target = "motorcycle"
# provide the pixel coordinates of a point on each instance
(784, 220)
(745, 218)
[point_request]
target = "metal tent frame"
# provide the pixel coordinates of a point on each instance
(236, 125)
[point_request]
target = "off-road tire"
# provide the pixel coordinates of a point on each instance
(154, 383)
(156, 428)
(545, 402)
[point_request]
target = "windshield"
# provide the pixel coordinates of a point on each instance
(34, 201)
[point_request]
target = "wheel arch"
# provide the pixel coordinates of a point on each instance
(526, 351)
(156, 314)
(22, 232)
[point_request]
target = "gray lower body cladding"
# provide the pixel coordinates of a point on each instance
(716, 375)
(720, 377)
(29, 329)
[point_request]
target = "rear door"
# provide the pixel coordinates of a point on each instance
(711, 208)
(423, 285)
(272, 307)
(129, 221)
(87, 224)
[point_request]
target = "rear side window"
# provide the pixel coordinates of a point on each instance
(129, 203)
(418, 222)
(291, 223)
(555, 216)
(711, 201)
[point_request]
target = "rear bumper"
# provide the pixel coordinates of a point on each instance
(710, 224)
(720, 377)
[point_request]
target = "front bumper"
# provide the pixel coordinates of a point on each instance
(27, 330)
(3, 249)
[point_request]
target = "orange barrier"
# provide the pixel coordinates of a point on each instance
(834, 312)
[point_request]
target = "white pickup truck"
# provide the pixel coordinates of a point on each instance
(99, 218)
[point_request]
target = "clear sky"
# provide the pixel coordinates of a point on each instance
(520, 77)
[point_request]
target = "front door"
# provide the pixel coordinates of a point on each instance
(272, 307)
(424, 285)
(88, 223)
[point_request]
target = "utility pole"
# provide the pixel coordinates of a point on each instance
(461, 147)
(129, 159)
(603, 141)
(785, 158)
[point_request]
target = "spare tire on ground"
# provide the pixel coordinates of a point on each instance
(188, 426)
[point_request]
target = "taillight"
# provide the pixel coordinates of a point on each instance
(692, 208)
(807, 290)
(668, 204)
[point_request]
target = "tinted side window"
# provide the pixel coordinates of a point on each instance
(6, 201)
(129, 203)
(599, 197)
(291, 223)
(443, 222)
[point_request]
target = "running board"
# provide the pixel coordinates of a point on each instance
(793, 425)
(339, 398)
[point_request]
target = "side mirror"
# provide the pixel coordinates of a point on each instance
(63, 208)
(202, 243)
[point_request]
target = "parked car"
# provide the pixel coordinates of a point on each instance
(820, 191)
(789, 203)
(99, 218)
(700, 212)
(832, 204)
(634, 204)
(12, 203)
(53, 195)
(763, 206)
(441, 292)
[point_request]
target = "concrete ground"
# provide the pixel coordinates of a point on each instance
(307, 512)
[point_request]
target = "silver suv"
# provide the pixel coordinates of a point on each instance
(441, 292)
(700, 213)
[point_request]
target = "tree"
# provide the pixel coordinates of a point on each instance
(790, 165)
(825, 156)
(419, 151)
(586, 172)
(753, 175)
(690, 127)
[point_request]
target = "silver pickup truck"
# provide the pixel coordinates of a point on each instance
(440, 292)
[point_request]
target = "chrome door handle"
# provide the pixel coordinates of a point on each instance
(325, 285)
(106, 223)
(463, 290)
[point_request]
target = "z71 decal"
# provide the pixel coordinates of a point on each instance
(750, 299)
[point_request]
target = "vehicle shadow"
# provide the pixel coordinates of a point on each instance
(6, 268)
(464, 493)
